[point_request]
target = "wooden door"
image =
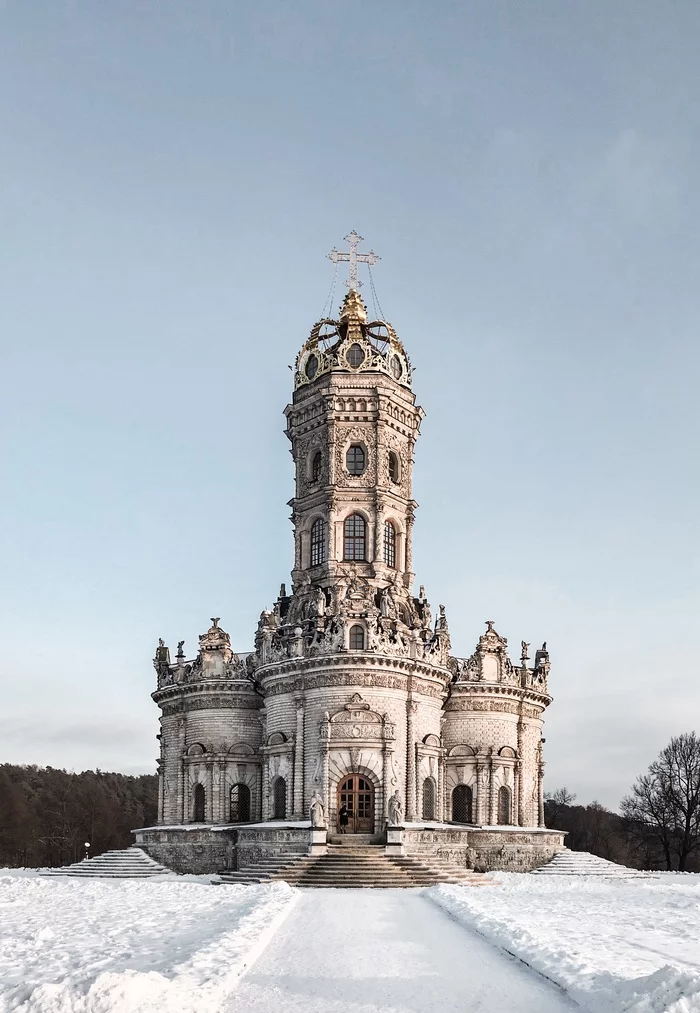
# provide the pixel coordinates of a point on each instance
(357, 793)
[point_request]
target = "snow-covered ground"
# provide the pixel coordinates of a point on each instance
(180, 944)
(124, 946)
(612, 946)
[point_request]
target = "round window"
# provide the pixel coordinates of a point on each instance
(355, 355)
(396, 367)
(311, 367)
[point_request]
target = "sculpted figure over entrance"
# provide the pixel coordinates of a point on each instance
(395, 810)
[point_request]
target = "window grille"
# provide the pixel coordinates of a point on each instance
(429, 794)
(463, 804)
(389, 544)
(357, 638)
(239, 811)
(504, 816)
(355, 459)
(318, 542)
(279, 798)
(199, 804)
(355, 538)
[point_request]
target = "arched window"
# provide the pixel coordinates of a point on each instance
(504, 816)
(318, 541)
(393, 466)
(355, 459)
(389, 544)
(198, 803)
(463, 804)
(239, 809)
(429, 794)
(279, 798)
(316, 466)
(357, 638)
(355, 538)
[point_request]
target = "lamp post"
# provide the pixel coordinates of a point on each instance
(87, 850)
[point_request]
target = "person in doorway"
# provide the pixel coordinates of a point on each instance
(343, 817)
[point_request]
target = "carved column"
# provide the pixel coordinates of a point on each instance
(540, 793)
(440, 814)
(183, 812)
(161, 791)
(298, 803)
(215, 780)
(224, 808)
(408, 550)
(325, 734)
(519, 773)
(265, 793)
(411, 708)
(493, 819)
(210, 792)
(482, 796)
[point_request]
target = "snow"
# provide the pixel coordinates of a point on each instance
(385, 951)
(124, 946)
(630, 945)
(70, 945)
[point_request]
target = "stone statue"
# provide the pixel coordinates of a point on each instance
(524, 648)
(395, 810)
(387, 603)
(317, 811)
(319, 603)
(180, 652)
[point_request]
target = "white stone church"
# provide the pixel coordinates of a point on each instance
(351, 692)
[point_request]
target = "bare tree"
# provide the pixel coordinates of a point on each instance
(664, 804)
(555, 805)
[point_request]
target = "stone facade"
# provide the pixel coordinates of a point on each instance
(352, 674)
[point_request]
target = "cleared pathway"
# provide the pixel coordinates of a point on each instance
(365, 951)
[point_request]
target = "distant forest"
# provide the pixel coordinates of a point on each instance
(47, 815)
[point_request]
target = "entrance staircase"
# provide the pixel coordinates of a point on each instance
(353, 865)
(127, 863)
(582, 863)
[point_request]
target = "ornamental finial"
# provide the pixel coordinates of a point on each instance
(353, 258)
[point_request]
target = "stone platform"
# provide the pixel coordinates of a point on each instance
(204, 848)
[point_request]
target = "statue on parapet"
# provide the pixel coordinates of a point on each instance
(317, 812)
(395, 810)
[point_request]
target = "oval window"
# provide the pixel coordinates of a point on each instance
(396, 367)
(311, 367)
(355, 355)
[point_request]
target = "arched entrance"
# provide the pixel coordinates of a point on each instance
(357, 792)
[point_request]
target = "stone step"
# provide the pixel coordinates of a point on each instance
(361, 865)
(130, 863)
(582, 863)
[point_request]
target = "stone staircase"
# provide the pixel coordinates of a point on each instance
(128, 863)
(582, 863)
(356, 865)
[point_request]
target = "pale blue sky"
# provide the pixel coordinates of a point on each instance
(172, 176)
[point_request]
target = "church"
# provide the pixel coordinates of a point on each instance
(351, 694)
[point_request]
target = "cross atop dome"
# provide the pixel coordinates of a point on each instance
(353, 258)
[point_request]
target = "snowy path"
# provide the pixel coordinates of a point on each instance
(394, 951)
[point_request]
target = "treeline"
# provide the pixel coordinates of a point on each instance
(47, 815)
(659, 822)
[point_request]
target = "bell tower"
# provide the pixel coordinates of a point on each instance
(353, 425)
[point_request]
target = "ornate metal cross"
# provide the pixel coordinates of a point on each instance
(353, 258)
